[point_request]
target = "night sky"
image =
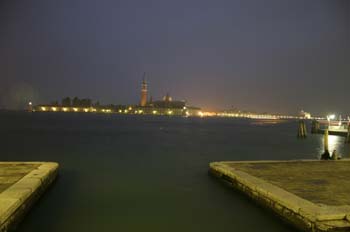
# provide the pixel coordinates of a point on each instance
(263, 55)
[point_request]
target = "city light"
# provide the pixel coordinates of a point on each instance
(331, 117)
(184, 111)
(167, 106)
(30, 103)
(209, 114)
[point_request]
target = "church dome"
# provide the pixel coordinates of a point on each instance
(167, 98)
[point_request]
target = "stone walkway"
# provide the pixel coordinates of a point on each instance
(313, 195)
(10, 173)
(21, 184)
(319, 182)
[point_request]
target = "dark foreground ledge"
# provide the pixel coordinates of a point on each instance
(21, 184)
(313, 195)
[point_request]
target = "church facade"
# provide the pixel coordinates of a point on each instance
(166, 106)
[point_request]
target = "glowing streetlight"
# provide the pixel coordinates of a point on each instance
(30, 106)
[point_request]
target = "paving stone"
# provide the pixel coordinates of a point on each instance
(311, 194)
(21, 183)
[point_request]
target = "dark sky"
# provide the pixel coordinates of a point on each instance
(270, 55)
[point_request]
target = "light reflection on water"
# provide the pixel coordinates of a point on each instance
(334, 143)
(263, 122)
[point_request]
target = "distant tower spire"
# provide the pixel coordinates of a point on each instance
(144, 91)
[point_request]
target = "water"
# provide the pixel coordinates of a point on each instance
(138, 173)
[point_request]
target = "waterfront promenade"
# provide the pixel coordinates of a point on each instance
(21, 184)
(312, 195)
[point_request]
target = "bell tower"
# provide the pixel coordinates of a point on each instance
(144, 91)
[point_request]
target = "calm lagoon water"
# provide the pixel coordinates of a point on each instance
(139, 173)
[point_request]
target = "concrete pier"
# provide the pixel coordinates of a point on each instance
(312, 195)
(21, 184)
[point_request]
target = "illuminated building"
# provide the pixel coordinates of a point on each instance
(304, 114)
(166, 106)
(168, 102)
(144, 92)
(170, 107)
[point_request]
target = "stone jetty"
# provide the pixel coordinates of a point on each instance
(21, 184)
(312, 195)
